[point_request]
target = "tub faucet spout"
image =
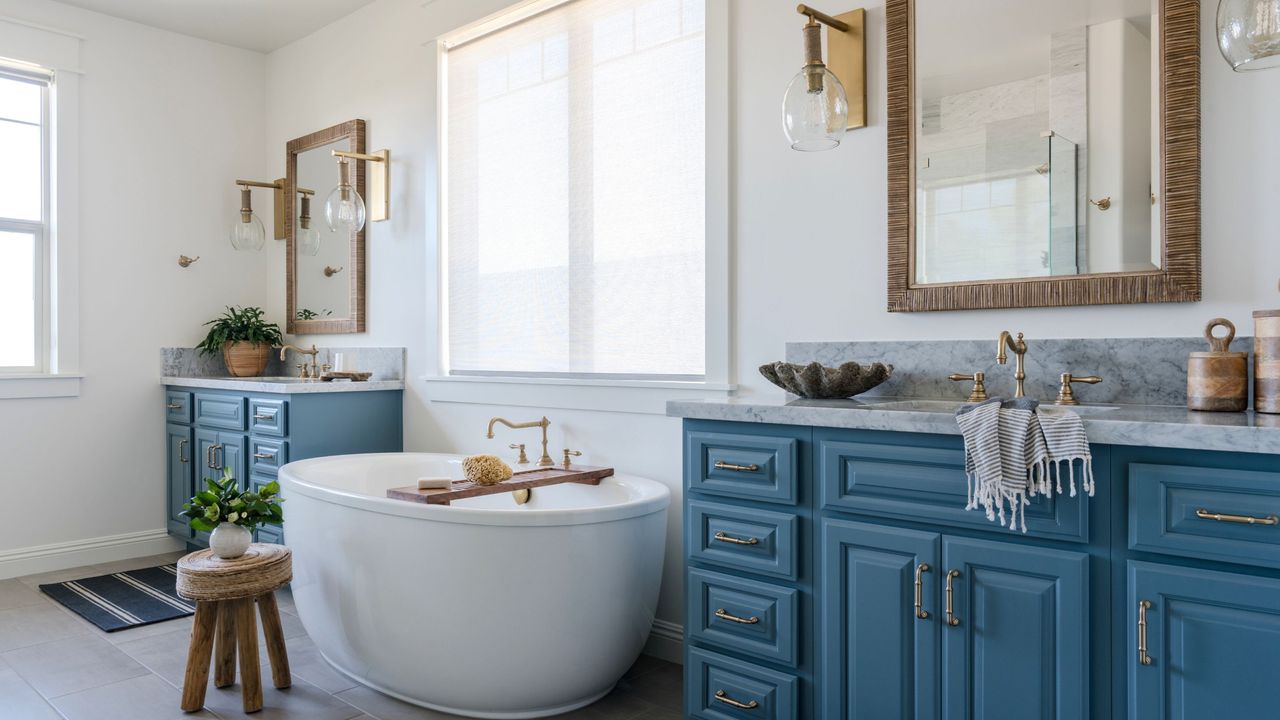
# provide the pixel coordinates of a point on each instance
(544, 423)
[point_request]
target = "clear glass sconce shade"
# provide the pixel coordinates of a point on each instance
(1249, 33)
(248, 235)
(344, 209)
(815, 110)
(308, 241)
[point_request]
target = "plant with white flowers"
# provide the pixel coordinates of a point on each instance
(224, 502)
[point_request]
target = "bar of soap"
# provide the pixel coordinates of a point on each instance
(434, 483)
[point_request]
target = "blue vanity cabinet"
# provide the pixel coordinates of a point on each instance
(1205, 644)
(255, 434)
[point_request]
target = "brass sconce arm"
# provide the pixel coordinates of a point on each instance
(379, 200)
(823, 18)
(246, 207)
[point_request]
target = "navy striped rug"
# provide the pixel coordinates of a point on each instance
(124, 600)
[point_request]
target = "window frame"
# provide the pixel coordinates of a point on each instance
(601, 392)
(57, 52)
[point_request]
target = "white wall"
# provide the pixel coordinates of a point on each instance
(797, 274)
(167, 123)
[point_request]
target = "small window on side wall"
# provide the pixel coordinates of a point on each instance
(24, 219)
(573, 192)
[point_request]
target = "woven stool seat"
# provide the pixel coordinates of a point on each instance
(262, 569)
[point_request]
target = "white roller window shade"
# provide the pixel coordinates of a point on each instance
(574, 193)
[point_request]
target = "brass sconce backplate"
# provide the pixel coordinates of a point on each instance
(847, 60)
(380, 187)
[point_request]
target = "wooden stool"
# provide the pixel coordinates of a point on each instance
(225, 592)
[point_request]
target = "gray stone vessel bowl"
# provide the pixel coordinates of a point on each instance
(823, 383)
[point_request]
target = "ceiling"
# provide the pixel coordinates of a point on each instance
(262, 25)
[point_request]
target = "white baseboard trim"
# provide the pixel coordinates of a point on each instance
(90, 551)
(666, 642)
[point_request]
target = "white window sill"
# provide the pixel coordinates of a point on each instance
(39, 386)
(646, 397)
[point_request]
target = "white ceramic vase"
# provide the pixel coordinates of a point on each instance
(229, 540)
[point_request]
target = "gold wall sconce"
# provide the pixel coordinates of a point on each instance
(308, 237)
(824, 100)
(186, 262)
(344, 209)
(247, 232)
(330, 271)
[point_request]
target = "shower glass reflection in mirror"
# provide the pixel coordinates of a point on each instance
(1037, 125)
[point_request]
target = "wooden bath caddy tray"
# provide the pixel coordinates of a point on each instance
(521, 480)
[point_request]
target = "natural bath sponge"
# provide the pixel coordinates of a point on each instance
(485, 469)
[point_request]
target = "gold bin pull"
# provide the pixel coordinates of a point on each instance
(1243, 519)
(722, 465)
(724, 615)
(733, 540)
(952, 620)
(921, 613)
(1143, 657)
(723, 697)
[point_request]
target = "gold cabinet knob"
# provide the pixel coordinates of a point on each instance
(979, 392)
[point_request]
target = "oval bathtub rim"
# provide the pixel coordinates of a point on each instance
(655, 498)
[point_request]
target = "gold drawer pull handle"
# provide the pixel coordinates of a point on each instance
(736, 541)
(723, 697)
(722, 465)
(1245, 519)
(182, 446)
(724, 615)
(264, 417)
(265, 456)
(952, 620)
(174, 406)
(921, 613)
(1143, 657)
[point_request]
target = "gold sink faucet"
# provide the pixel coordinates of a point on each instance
(309, 371)
(544, 423)
(1019, 348)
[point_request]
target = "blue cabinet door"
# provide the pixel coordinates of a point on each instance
(1212, 644)
(1016, 644)
(878, 653)
(179, 456)
(217, 450)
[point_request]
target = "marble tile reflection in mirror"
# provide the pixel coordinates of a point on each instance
(1037, 139)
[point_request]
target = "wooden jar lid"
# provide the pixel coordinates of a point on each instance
(1220, 346)
(263, 568)
(1266, 313)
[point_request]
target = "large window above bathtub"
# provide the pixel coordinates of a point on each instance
(574, 192)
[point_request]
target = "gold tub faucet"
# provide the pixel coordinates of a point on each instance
(544, 423)
(1019, 348)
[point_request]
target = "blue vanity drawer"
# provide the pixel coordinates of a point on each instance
(753, 467)
(722, 688)
(269, 534)
(755, 618)
(225, 412)
(929, 484)
(268, 417)
(177, 406)
(1205, 513)
(266, 456)
(755, 540)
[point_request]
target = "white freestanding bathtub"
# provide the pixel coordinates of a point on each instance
(482, 608)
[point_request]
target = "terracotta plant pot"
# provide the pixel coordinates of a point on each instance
(246, 359)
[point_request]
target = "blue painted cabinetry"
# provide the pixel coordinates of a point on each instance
(834, 574)
(255, 435)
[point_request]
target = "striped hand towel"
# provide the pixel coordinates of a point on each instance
(1009, 451)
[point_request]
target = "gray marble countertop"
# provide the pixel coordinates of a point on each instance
(282, 385)
(1142, 425)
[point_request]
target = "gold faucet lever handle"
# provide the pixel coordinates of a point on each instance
(1066, 396)
(570, 453)
(979, 392)
(523, 459)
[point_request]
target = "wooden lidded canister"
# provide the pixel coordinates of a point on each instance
(1218, 380)
(1266, 361)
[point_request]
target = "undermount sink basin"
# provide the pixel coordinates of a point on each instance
(950, 406)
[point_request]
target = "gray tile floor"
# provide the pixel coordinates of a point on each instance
(55, 665)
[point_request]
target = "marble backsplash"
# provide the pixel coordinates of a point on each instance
(384, 363)
(1140, 371)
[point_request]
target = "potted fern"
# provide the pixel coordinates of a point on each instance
(230, 514)
(244, 338)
